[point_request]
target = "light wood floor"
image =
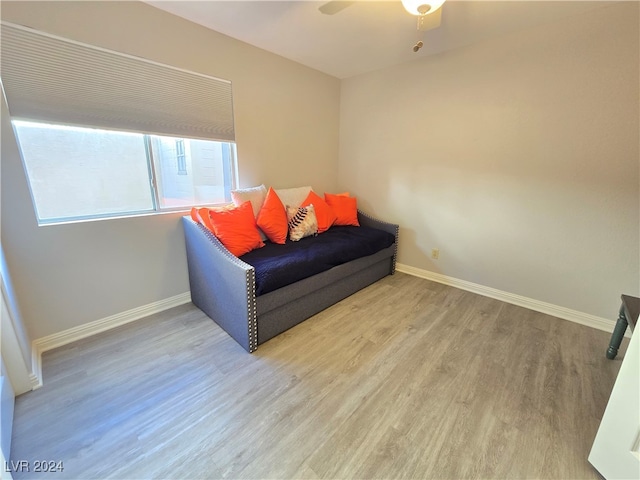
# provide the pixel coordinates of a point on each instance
(405, 379)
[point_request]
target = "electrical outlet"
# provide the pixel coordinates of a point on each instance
(435, 253)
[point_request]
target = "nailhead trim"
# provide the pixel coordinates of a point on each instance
(252, 313)
(250, 282)
(395, 251)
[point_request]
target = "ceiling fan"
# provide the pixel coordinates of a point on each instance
(428, 12)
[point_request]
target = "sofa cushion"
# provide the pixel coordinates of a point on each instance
(324, 213)
(302, 222)
(279, 265)
(272, 218)
(236, 229)
(201, 214)
(255, 195)
(293, 197)
(345, 208)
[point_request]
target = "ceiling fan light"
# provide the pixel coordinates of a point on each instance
(421, 7)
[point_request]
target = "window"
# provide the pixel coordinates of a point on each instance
(106, 134)
(180, 157)
(81, 173)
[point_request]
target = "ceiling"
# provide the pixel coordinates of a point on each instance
(368, 35)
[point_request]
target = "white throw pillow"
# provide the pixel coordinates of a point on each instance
(255, 195)
(293, 197)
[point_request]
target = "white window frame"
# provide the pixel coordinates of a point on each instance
(154, 176)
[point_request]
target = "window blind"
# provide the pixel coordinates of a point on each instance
(52, 79)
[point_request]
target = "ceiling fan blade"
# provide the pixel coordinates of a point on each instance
(430, 21)
(331, 8)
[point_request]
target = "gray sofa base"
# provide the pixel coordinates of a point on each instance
(223, 286)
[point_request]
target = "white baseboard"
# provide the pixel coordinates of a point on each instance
(41, 345)
(554, 310)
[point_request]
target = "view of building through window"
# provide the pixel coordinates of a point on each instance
(83, 173)
(191, 172)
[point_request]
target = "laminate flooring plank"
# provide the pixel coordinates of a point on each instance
(405, 379)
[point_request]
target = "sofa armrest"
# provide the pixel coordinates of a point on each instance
(369, 221)
(222, 285)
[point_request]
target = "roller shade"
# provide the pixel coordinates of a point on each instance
(52, 79)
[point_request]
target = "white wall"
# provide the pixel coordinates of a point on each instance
(517, 157)
(286, 119)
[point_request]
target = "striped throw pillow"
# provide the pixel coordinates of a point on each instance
(302, 222)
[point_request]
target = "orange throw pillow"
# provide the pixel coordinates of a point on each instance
(194, 215)
(201, 215)
(324, 213)
(205, 219)
(236, 229)
(272, 218)
(345, 208)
